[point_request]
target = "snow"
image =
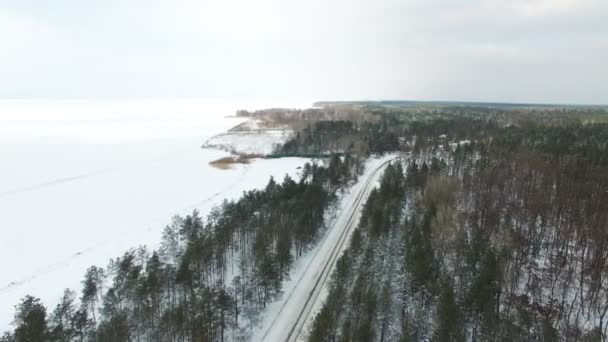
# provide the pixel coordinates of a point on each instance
(460, 143)
(253, 136)
(281, 315)
(83, 182)
(261, 142)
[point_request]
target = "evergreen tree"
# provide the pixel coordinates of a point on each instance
(449, 318)
(91, 289)
(420, 261)
(30, 321)
(484, 294)
(63, 318)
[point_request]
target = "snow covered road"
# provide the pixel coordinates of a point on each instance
(288, 319)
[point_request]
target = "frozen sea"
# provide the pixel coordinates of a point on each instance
(82, 182)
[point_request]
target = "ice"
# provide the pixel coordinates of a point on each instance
(83, 182)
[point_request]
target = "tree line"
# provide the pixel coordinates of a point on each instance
(363, 138)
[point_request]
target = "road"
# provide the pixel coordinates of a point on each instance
(289, 321)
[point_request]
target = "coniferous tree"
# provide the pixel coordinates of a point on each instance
(91, 289)
(450, 326)
(30, 321)
(63, 318)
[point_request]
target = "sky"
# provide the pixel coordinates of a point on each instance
(541, 51)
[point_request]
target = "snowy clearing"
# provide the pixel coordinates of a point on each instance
(262, 142)
(253, 136)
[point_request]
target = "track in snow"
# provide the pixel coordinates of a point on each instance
(305, 294)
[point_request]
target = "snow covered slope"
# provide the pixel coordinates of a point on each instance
(262, 142)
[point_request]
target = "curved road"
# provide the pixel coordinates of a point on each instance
(297, 310)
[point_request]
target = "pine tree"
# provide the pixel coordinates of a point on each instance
(367, 325)
(420, 258)
(484, 294)
(63, 318)
(81, 324)
(30, 321)
(449, 318)
(91, 288)
(322, 325)
(224, 306)
(116, 329)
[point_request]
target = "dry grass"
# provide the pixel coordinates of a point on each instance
(226, 163)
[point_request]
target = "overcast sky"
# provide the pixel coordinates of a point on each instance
(486, 50)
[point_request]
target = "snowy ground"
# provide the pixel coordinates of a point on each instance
(261, 142)
(253, 136)
(83, 182)
(289, 318)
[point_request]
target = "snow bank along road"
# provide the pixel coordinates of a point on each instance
(298, 307)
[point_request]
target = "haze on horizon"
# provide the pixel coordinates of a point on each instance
(535, 51)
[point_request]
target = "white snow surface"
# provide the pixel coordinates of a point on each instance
(83, 182)
(279, 318)
(261, 142)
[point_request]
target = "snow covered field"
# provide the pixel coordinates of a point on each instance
(253, 136)
(262, 142)
(83, 182)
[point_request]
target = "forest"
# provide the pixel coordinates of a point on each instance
(497, 233)
(325, 137)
